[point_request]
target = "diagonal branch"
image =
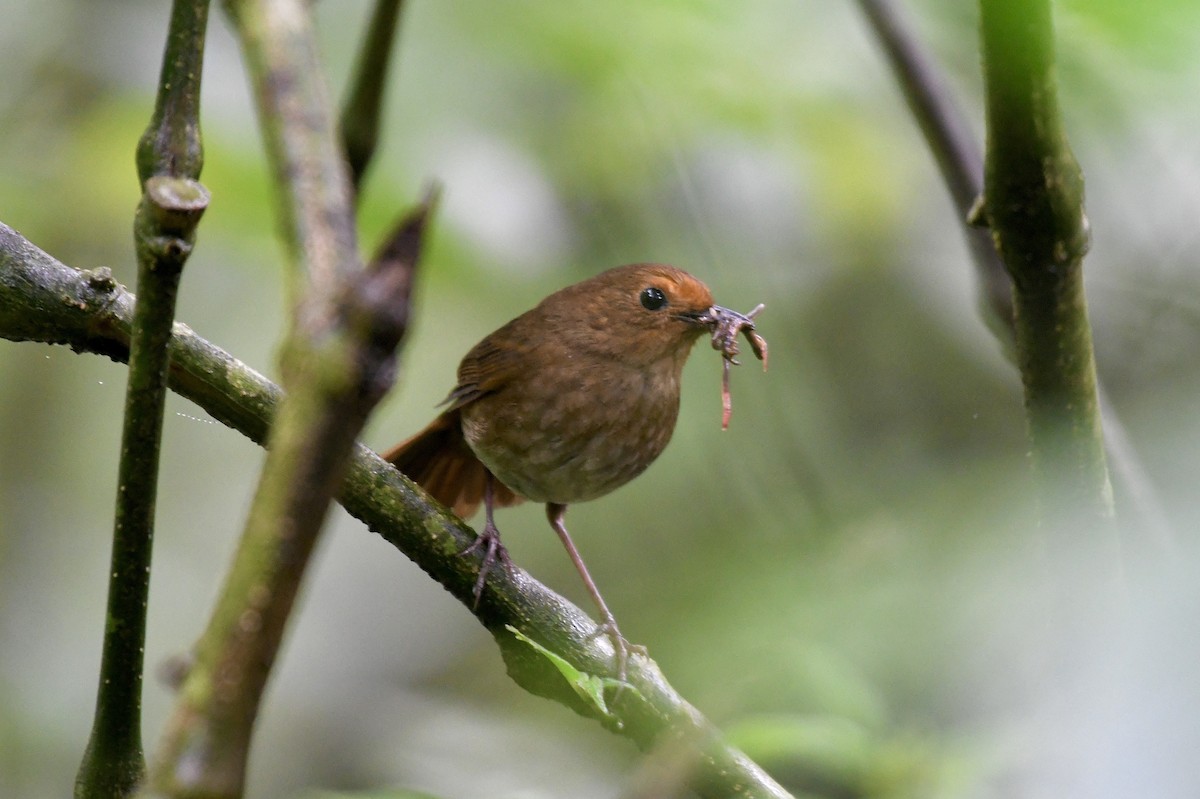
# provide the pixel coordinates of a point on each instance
(44, 300)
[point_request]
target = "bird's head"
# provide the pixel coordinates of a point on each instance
(641, 314)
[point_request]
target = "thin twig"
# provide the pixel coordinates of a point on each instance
(952, 144)
(52, 303)
(171, 144)
(169, 159)
(360, 120)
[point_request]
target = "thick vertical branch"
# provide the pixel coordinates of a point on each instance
(1034, 204)
(169, 159)
(960, 161)
(337, 361)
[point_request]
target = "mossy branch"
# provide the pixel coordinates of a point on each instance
(44, 300)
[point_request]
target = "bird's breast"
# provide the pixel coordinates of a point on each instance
(576, 435)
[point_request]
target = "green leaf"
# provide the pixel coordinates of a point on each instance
(590, 687)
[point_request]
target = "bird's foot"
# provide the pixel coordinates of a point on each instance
(622, 648)
(488, 541)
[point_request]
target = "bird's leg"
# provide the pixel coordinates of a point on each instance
(622, 647)
(488, 540)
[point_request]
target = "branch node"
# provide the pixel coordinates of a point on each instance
(101, 279)
(177, 203)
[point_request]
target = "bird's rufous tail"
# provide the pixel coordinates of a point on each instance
(439, 460)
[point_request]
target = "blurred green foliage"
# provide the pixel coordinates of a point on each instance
(850, 579)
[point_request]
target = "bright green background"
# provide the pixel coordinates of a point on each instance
(850, 579)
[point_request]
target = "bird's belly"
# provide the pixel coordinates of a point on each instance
(585, 441)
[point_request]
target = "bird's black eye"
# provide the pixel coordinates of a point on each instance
(653, 299)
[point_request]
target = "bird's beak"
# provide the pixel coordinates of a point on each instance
(716, 317)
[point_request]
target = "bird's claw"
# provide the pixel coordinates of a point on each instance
(622, 648)
(488, 541)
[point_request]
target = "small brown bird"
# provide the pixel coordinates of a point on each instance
(568, 402)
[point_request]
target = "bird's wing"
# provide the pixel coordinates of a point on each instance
(491, 364)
